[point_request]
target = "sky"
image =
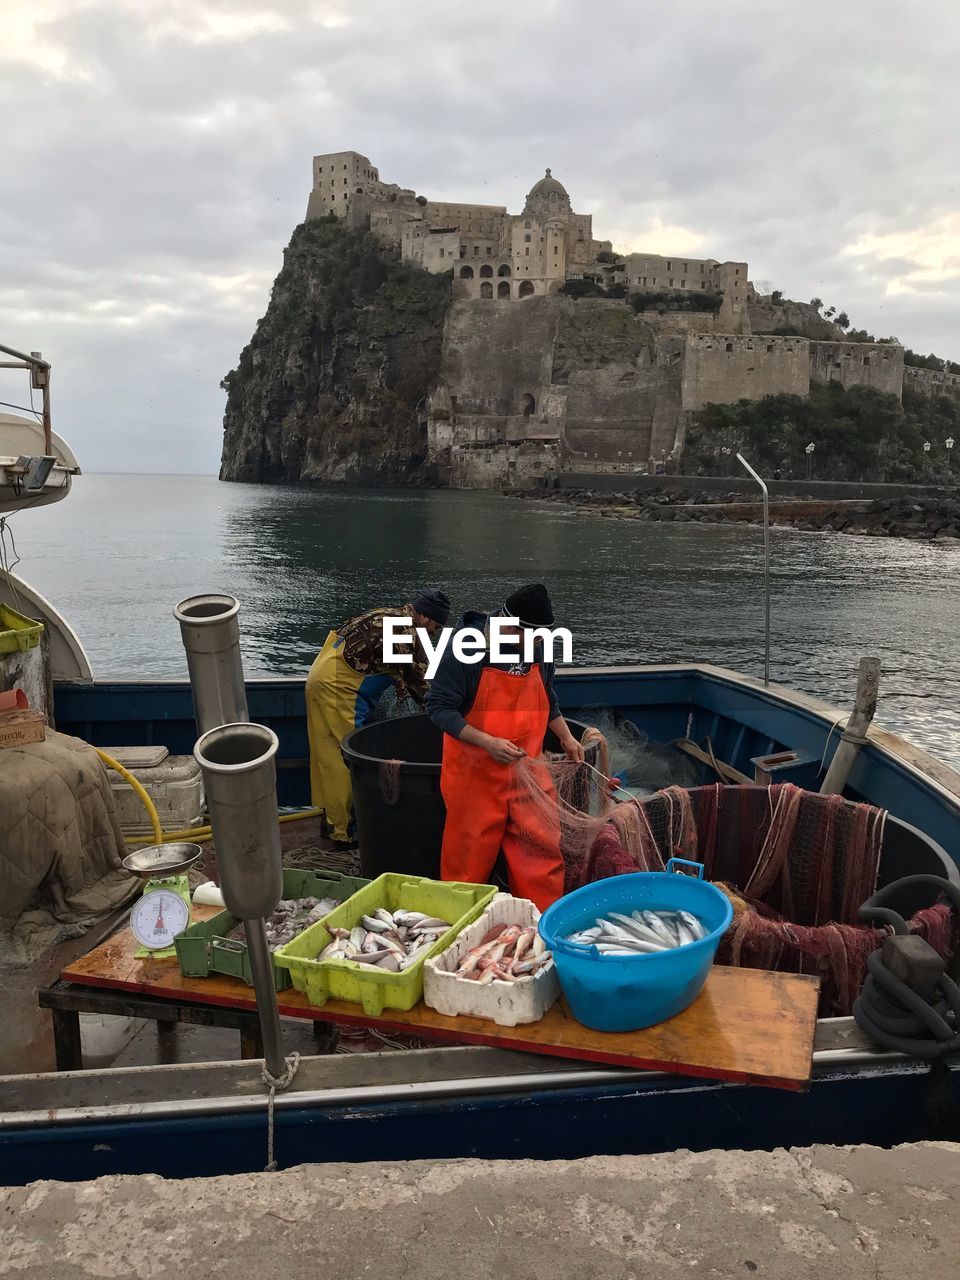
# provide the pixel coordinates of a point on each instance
(155, 156)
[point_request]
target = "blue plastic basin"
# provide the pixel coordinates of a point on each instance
(625, 993)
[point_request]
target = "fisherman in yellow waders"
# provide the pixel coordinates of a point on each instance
(346, 681)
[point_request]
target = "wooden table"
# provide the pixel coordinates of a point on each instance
(746, 1025)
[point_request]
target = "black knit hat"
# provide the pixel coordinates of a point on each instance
(432, 603)
(531, 604)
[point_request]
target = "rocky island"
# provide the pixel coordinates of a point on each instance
(417, 342)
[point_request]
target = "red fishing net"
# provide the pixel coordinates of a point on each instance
(796, 865)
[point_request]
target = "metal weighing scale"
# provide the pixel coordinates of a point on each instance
(163, 910)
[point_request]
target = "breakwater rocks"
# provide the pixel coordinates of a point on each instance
(935, 519)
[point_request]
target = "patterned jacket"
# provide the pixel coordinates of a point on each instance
(363, 652)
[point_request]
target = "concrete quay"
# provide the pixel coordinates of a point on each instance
(818, 1212)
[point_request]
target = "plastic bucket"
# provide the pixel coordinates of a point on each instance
(404, 833)
(625, 993)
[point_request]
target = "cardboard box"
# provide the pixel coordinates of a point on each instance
(18, 728)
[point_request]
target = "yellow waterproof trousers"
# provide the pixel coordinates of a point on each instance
(339, 699)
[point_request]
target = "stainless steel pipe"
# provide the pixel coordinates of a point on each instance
(210, 630)
(240, 778)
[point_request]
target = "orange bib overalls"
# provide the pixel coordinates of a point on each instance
(486, 810)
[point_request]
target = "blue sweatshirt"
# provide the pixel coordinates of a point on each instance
(454, 688)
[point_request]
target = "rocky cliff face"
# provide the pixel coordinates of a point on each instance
(332, 386)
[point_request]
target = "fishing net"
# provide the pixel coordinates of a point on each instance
(634, 760)
(391, 706)
(796, 866)
(390, 780)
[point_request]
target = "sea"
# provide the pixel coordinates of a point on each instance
(118, 553)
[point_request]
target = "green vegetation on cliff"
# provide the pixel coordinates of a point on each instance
(331, 387)
(858, 434)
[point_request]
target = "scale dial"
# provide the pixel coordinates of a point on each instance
(158, 917)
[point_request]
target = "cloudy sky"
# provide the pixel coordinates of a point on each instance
(155, 156)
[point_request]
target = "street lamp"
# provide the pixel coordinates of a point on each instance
(926, 446)
(949, 442)
(809, 452)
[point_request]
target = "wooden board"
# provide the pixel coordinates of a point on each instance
(746, 1025)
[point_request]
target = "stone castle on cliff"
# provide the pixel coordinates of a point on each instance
(532, 379)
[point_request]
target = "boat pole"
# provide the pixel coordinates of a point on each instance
(766, 567)
(39, 380)
(240, 779)
(855, 734)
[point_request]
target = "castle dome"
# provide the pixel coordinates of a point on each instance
(548, 184)
(548, 197)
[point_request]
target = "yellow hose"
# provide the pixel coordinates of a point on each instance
(141, 791)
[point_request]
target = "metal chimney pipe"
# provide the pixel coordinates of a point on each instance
(210, 630)
(240, 779)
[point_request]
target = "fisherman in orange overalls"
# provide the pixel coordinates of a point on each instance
(491, 717)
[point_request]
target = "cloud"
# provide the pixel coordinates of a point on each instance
(156, 156)
(915, 260)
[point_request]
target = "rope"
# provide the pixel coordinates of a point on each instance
(911, 1004)
(275, 1083)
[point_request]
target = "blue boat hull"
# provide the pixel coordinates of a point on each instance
(883, 1106)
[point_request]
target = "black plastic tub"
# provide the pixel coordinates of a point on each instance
(407, 834)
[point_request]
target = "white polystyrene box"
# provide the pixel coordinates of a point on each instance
(173, 783)
(509, 1004)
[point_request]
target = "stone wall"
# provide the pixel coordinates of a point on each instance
(725, 368)
(852, 364)
(496, 468)
(589, 372)
(669, 322)
(932, 382)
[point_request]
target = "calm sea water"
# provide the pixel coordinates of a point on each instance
(122, 550)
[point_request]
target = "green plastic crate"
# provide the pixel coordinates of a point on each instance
(204, 948)
(375, 989)
(17, 633)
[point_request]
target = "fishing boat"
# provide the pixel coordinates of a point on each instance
(199, 1120)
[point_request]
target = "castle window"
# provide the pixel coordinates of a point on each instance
(701, 268)
(486, 289)
(441, 253)
(866, 360)
(683, 284)
(527, 405)
(729, 346)
(686, 266)
(526, 237)
(489, 248)
(527, 251)
(503, 289)
(466, 273)
(320, 169)
(527, 224)
(486, 270)
(344, 166)
(476, 250)
(504, 270)
(670, 283)
(769, 346)
(669, 266)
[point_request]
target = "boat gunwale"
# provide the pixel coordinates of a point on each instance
(913, 760)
